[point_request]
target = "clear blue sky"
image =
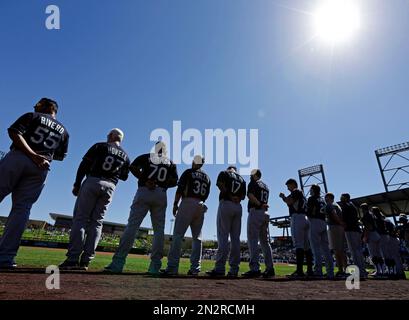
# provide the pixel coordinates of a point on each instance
(139, 65)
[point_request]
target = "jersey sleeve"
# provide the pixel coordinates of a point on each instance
(85, 165)
(182, 183)
(92, 153)
(124, 174)
(251, 188)
(221, 178)
(139, 162)
(22, 124)
(208, 190)
(173, 176)
(243, 188)
(310, 206)
(62, 150)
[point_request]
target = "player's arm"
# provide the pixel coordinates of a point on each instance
(336, 218)
(288, 200)
(173, 177)
(62, 150)
(243, 188)
(253, 199)
(84, 168)
(182, 183)
(124, 174)
(136, 167)
(16, 132)
(310, 206)
(221, 184)
(207, 191)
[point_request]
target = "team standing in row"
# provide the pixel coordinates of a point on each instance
(38, 138)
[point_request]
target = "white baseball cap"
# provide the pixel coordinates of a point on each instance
(118, 132)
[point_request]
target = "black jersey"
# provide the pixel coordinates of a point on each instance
(235, 186)
(157, 168)
(44, 134)
(391, 229)
(260, 190)
(108, 161)
(350, 217)
(316, 207)
(194, 184)
(368, 220)
(300, 202)
(380, 225)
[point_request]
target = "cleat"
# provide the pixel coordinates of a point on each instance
(214, 273)
(110, 269)
(167, 273)
(231, 275)
(268, 274)
(8, 266)
(296, 275)
(193, 273)
(251, 274)
(84, 266)
(69, 265)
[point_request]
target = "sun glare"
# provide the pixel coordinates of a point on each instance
(337, 21)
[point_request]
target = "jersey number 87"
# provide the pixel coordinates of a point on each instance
(109, 163)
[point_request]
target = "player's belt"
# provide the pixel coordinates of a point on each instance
(103, 178)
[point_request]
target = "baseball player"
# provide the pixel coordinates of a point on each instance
(232, 191)
(384, 239)
(257, 227)
(396, 269)
(103, 165)
(318, 234)
(353, 232)
(297, 205)
(38, 138)
(403, 230)
(156, 173)
(336, 233)
(193, 189)
(372, 238)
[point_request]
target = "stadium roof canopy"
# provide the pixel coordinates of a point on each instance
(391, 203)
(56, 216)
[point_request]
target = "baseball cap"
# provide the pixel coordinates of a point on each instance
(118, 132)
(198, 159)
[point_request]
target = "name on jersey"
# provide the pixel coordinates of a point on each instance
(52, 124)
(117, 152)
(199, 175)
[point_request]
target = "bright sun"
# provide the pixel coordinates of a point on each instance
(337, 21)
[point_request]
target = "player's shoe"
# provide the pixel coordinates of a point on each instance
(251, 274)
(341, 275)
(167, 273)
(83, 266)
(8, 266)
(153, 273)
(111, 269)
(270, 273)
(232, 275)
(193, 273)
(213, 273)
(296, 275)
(69, 265)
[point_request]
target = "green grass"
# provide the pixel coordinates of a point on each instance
(41, 257)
